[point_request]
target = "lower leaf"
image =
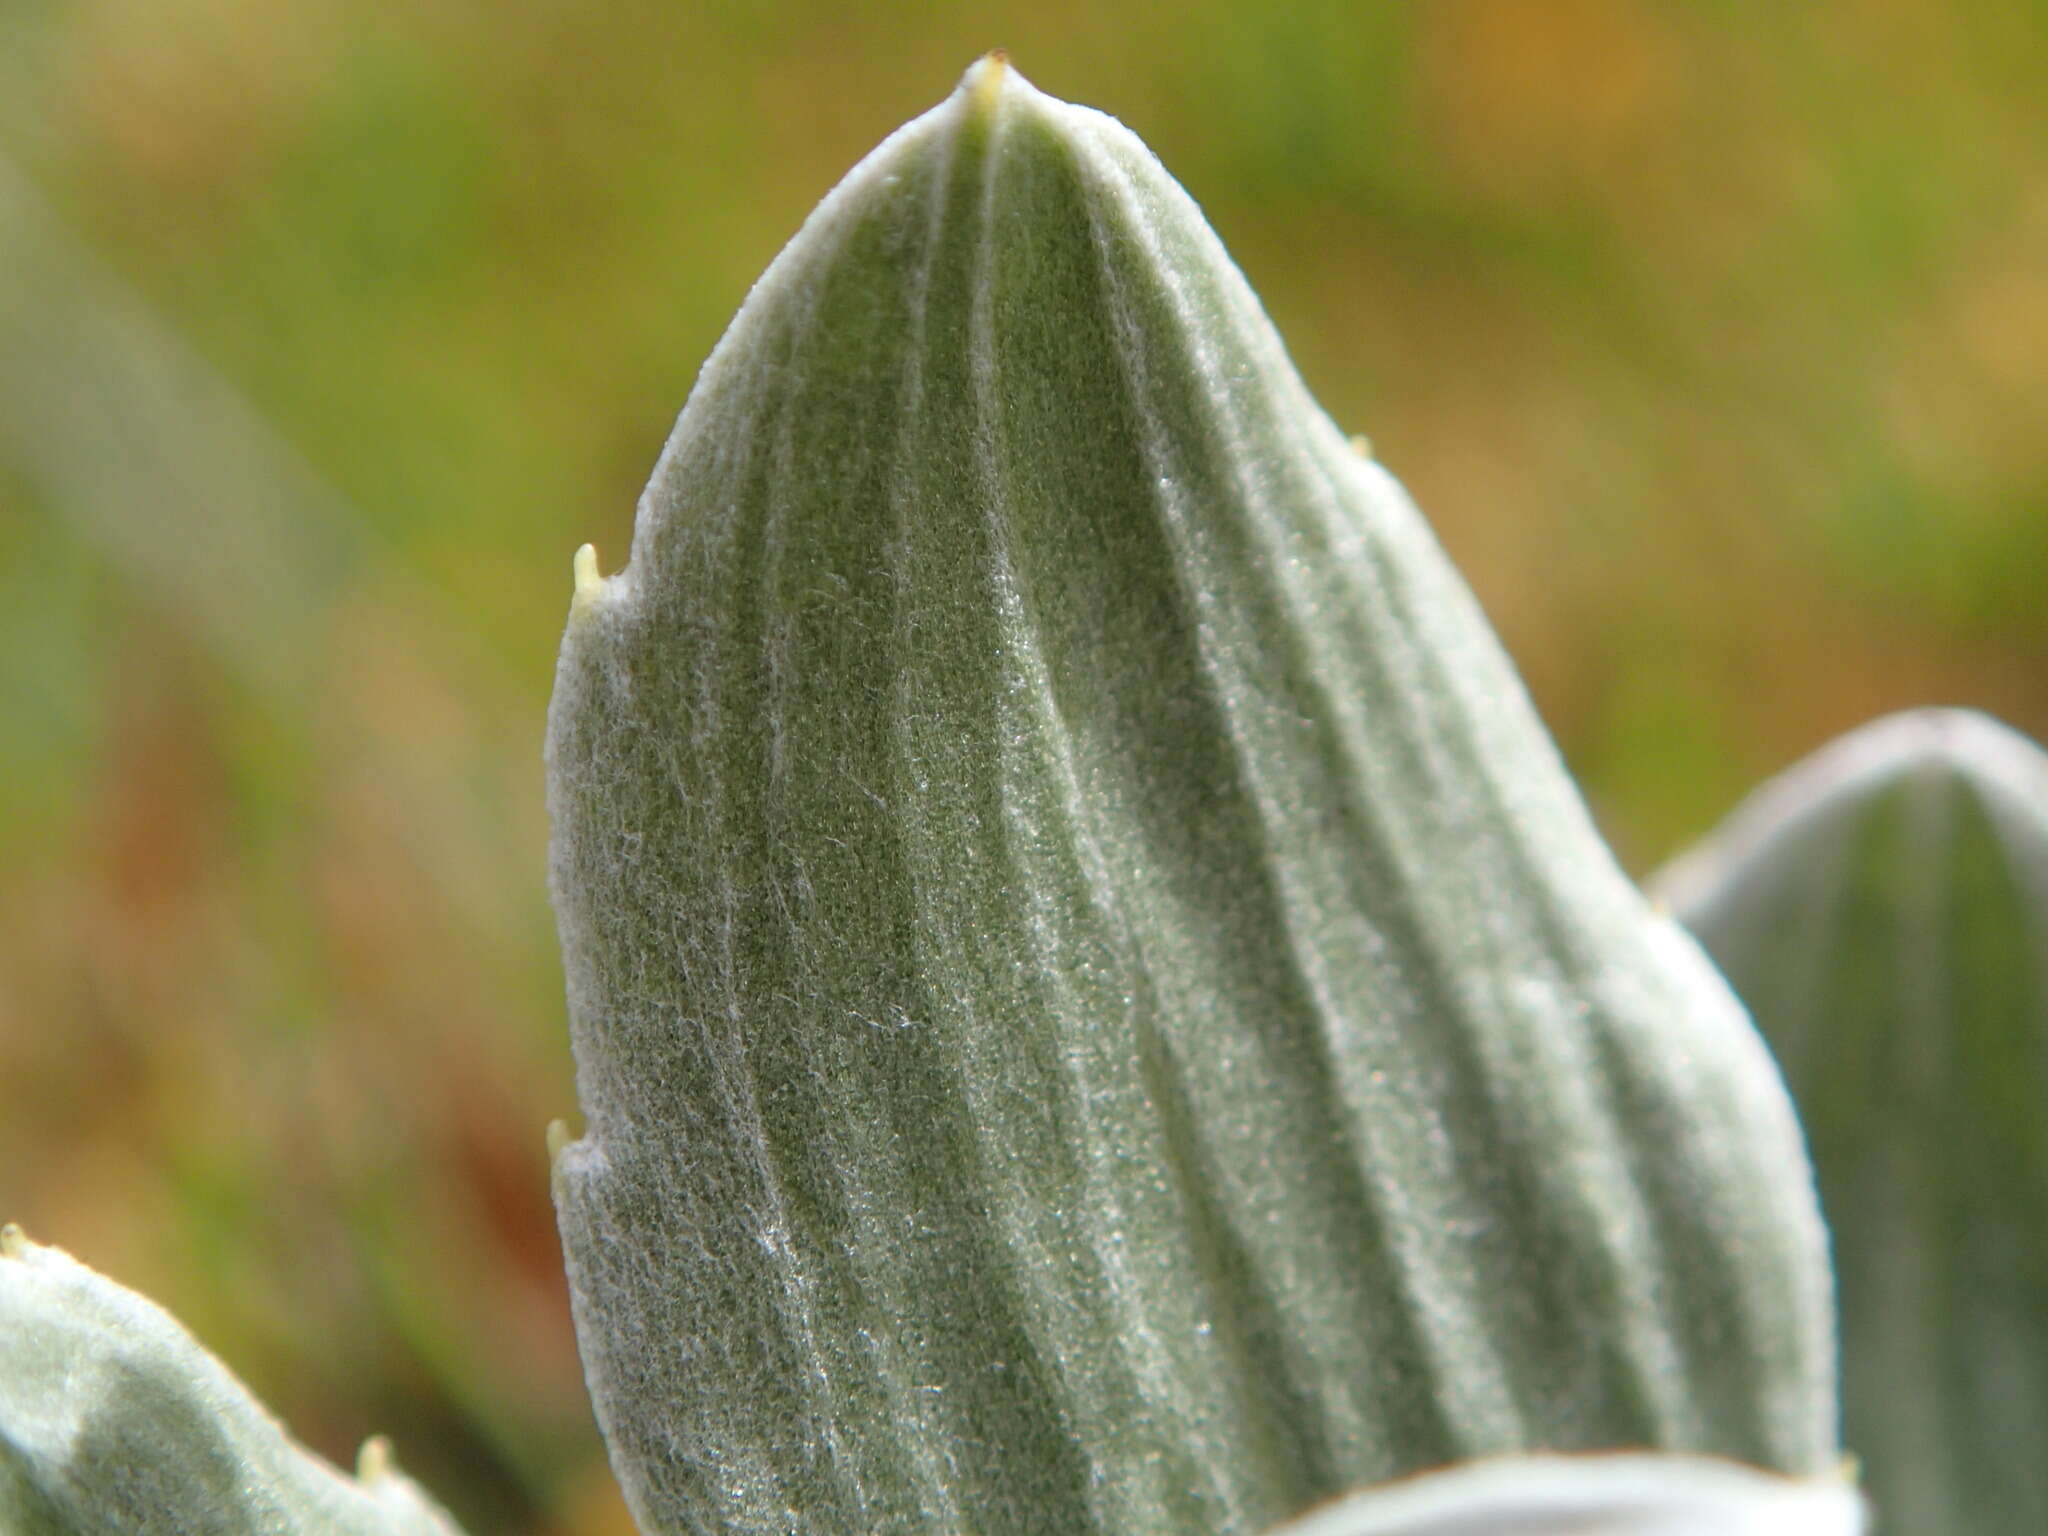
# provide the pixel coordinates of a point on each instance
(114, 1419)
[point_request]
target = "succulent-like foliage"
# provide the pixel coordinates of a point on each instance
(1096, 1005)
(115, 1422)
(1883, 907)
(1615, 1495)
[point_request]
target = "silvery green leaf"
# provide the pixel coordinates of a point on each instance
(1616, 1495)
(1096, 1005)
(115, 1422)
(1883, 907)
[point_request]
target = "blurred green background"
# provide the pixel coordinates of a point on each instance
(1714, 338)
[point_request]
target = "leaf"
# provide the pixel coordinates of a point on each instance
(1594, 1496)
(113, 1419)
(1096, 1005)
(1883, 907)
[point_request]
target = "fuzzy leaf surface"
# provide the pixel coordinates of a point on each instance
(114, 1421)
(1096, 1005)
(1883, 907)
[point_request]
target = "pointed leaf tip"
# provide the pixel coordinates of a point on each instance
(1096, 1006)
(985, 79)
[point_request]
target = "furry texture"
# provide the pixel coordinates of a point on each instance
(1884, 909)
(1096, 1005)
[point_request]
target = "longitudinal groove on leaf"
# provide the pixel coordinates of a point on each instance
(1096, 1006)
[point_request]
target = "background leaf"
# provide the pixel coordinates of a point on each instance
(1883, 907)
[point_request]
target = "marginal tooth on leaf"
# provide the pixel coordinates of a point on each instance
(374, 1461)
(590, 584)
(14, 1242)
(558, 1139)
